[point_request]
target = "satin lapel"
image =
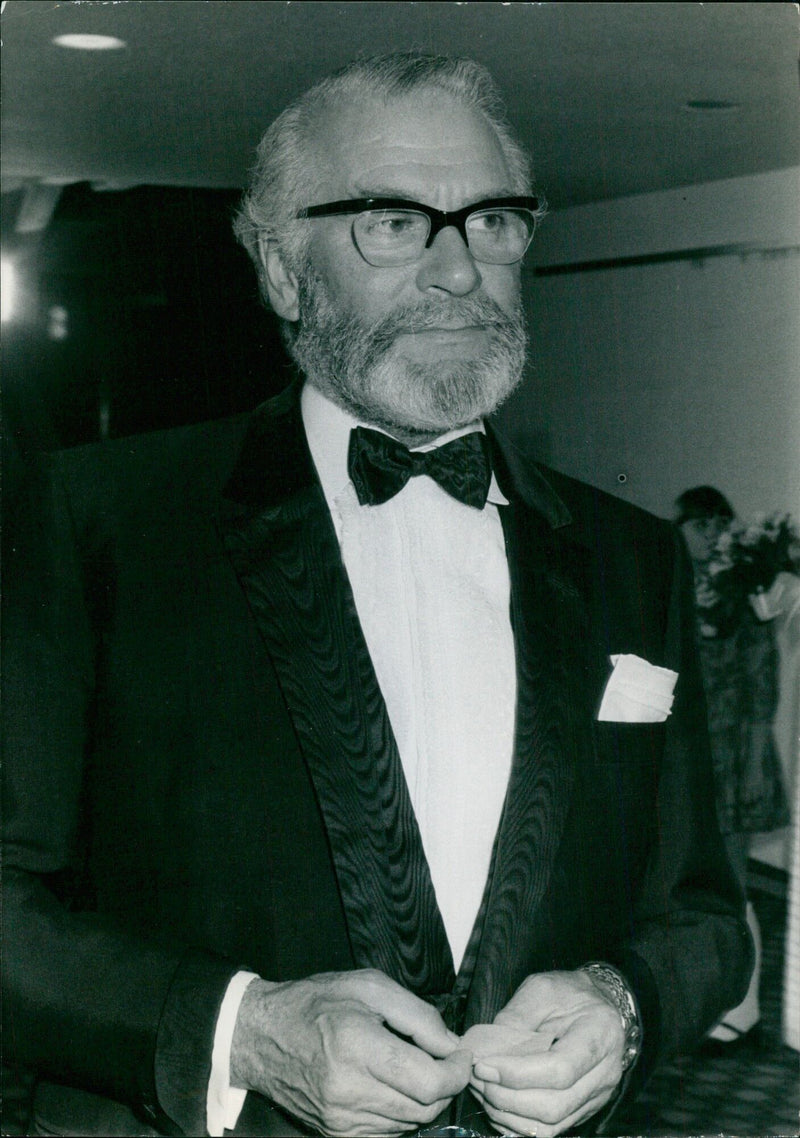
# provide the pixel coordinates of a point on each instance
(281, 540)
(558, 677)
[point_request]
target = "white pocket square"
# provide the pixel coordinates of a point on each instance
(637, 692)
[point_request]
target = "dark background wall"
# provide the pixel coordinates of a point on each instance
(135, 310)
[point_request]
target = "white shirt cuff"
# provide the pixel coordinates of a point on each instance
(223, 1102)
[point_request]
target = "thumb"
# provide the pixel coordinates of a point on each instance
(408, 1015)
(458, 1065)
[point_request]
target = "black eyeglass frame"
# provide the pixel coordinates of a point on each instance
(439, 219)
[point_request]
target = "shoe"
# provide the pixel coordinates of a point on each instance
(751, 1040)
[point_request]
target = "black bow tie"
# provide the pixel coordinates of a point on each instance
(380, 466)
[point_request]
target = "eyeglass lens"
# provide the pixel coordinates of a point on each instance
(399, 236)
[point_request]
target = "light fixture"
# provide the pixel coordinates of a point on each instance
(8, 290)
(85, 41)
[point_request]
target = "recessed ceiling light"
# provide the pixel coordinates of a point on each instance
(84, 41)
(710, 105)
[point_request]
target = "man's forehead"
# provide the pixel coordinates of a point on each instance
(424, 137)
(377, 171)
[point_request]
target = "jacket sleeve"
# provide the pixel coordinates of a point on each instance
(689, 956)
(84, 1001)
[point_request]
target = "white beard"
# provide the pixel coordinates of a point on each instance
(359, 367)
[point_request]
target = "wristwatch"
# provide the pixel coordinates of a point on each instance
(612, 985)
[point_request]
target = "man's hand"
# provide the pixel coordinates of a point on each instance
(325, 1050)
(529, 1090)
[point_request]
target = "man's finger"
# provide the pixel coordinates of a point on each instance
(520, 1072)
(392, 1078)
(511, 1122)
(413, 1073)
(576, 1054)
(412, 1017)
(405, 1013)
(551, 1107)
(363, 1124)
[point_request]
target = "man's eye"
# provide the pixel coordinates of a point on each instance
(488, 222)
(388, 225)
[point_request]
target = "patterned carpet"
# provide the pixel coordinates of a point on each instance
(750, 1092)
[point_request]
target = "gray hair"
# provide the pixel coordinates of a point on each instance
(280, 180)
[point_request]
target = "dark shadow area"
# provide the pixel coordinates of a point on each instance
(133, 310)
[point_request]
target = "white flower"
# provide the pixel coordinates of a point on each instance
(752, 535)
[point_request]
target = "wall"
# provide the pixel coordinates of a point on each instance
(674, 373)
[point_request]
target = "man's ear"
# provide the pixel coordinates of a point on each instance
(281, 281)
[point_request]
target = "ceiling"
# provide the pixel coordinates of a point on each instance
(599, 92)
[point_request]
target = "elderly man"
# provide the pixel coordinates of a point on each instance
(346, 792)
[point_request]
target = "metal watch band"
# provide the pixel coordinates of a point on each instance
(612, 984)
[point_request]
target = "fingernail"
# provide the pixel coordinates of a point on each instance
(451, 1035)
(488, 1074)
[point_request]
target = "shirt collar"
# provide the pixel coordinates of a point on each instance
(328, 428)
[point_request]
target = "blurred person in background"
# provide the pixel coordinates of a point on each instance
(739, 662)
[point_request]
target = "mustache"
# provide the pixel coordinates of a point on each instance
(433, 312)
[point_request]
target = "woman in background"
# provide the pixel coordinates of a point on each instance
(739, 661)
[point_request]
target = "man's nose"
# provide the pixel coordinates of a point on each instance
(448, 265)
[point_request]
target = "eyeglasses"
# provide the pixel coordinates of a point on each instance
(392, 231)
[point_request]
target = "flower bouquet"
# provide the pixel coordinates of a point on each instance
(744, 565)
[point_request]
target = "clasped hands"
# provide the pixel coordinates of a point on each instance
(354, 1053)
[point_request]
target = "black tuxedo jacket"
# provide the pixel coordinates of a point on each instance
(201, 774)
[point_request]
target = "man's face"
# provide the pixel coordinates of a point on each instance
(418, 348)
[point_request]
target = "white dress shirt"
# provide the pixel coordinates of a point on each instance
(431, 587)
